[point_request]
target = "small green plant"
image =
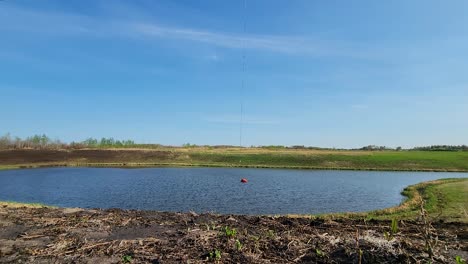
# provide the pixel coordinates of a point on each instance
(127, 259)
(319, 253)
(393, 230)
(394, 226)
(256, 241)
(271, 233)
(459, 260)
(387, 235)
(230, 232)
(357, 246)
(214, 255)
(210, 226)
(238, 245)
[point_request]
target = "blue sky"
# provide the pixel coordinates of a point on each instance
(319, 73)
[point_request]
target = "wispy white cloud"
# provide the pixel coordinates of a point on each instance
(263, 42)
(14, 18)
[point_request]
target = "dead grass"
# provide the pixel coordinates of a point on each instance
(46, 235)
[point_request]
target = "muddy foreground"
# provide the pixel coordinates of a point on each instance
(47, 235)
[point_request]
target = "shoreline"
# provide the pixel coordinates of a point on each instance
(409, 207)
(139, 165)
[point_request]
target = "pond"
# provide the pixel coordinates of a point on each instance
(268, 191)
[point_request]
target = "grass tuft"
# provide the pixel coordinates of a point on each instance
(26, 205)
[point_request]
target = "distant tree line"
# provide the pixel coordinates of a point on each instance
(44, 142)
(107, 142)
(424, 148)
(34, 142)
(378, 148)
(443, 148)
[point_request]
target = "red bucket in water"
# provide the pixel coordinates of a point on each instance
(244, 180)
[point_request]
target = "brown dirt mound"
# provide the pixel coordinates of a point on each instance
(13, 157)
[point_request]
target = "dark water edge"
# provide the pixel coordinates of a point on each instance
(269, 191)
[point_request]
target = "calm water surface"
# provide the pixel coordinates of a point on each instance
(212, 189)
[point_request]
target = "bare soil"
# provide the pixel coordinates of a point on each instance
(57, 235)
(31, 156)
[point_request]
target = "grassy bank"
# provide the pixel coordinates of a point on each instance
(9, 167)
(241, 157)
(23, 205)
(445, 200)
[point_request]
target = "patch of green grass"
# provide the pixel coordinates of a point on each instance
(239, 245)
(230, 232)
(8, 167)
(449, 200)
(319, 253)
(214, 255)
(28, 205)
(459, 260)
(127, 259)
(271, 234)
(383, 160)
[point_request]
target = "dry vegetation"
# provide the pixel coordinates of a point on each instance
(115, 236)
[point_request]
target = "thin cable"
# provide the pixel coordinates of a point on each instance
(243, 76)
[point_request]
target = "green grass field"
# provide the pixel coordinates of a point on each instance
(8, 167)
(384, 160)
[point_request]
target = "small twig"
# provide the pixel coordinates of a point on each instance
(427, 231)
(292, 241)
(93, 246)
(299, 258)
(31, 236)
(357, 246)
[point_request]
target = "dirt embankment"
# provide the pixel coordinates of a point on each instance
(14, 157)
(47, 235)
